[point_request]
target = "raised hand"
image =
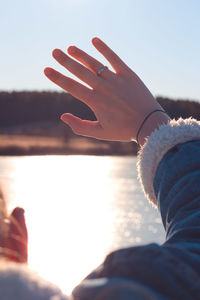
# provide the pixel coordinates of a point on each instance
(119, 99)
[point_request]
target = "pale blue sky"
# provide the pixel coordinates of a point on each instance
(159, 40)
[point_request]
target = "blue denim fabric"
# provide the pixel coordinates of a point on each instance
(168, 271)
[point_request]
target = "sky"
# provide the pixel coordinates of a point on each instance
(158, 39)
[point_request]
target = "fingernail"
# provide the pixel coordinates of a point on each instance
(62, 117)
(65, 118)
(18, 211)
(21, 211)
(48, 71)
(57, 53)
(96, 40)
(72, 49)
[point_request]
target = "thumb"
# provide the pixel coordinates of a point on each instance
(82, 127)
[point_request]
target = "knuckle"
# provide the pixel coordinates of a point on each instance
(90, 95)
(106, 51)
(78, 69)
(65, 83)
(74, 67)
(80, 53)
(57, 76)
(96, 82)
(81, 70)
(69, 84)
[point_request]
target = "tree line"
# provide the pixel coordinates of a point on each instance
(28, 107)
(32, 109)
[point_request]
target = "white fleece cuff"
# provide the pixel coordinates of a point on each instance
(156, 146)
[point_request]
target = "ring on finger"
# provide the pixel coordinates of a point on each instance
(101, 70)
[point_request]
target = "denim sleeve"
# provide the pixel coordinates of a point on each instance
(177, 189)
(168, 271)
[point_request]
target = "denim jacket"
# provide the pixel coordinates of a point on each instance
(169, 171)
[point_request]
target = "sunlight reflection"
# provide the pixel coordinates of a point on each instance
(67, 229)
(78, 208)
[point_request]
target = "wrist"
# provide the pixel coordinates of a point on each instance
(153, 122)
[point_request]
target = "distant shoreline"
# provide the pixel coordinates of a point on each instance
(30, 125)
(16, 145)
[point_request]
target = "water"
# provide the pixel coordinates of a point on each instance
(78, 209)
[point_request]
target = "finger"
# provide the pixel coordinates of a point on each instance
(73, 87)
(82, 127)
(90, 62)
(76, 68)
(116, 62)
(18, 235)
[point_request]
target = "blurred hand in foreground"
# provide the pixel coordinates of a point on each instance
(119, 99)
(15, 240)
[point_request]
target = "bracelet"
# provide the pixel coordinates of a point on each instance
(137, 136)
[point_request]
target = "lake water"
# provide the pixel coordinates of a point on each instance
(78, 209)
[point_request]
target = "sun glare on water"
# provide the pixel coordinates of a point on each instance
(68, 215)
(78, 209)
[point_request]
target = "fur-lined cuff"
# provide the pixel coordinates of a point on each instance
(156, 146)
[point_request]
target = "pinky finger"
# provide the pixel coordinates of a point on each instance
(82, 127)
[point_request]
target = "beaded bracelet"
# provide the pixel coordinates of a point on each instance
(137, 136)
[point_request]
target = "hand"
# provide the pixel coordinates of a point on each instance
(119, 99)
(15, 241)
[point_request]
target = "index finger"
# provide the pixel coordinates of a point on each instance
(115, 61)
